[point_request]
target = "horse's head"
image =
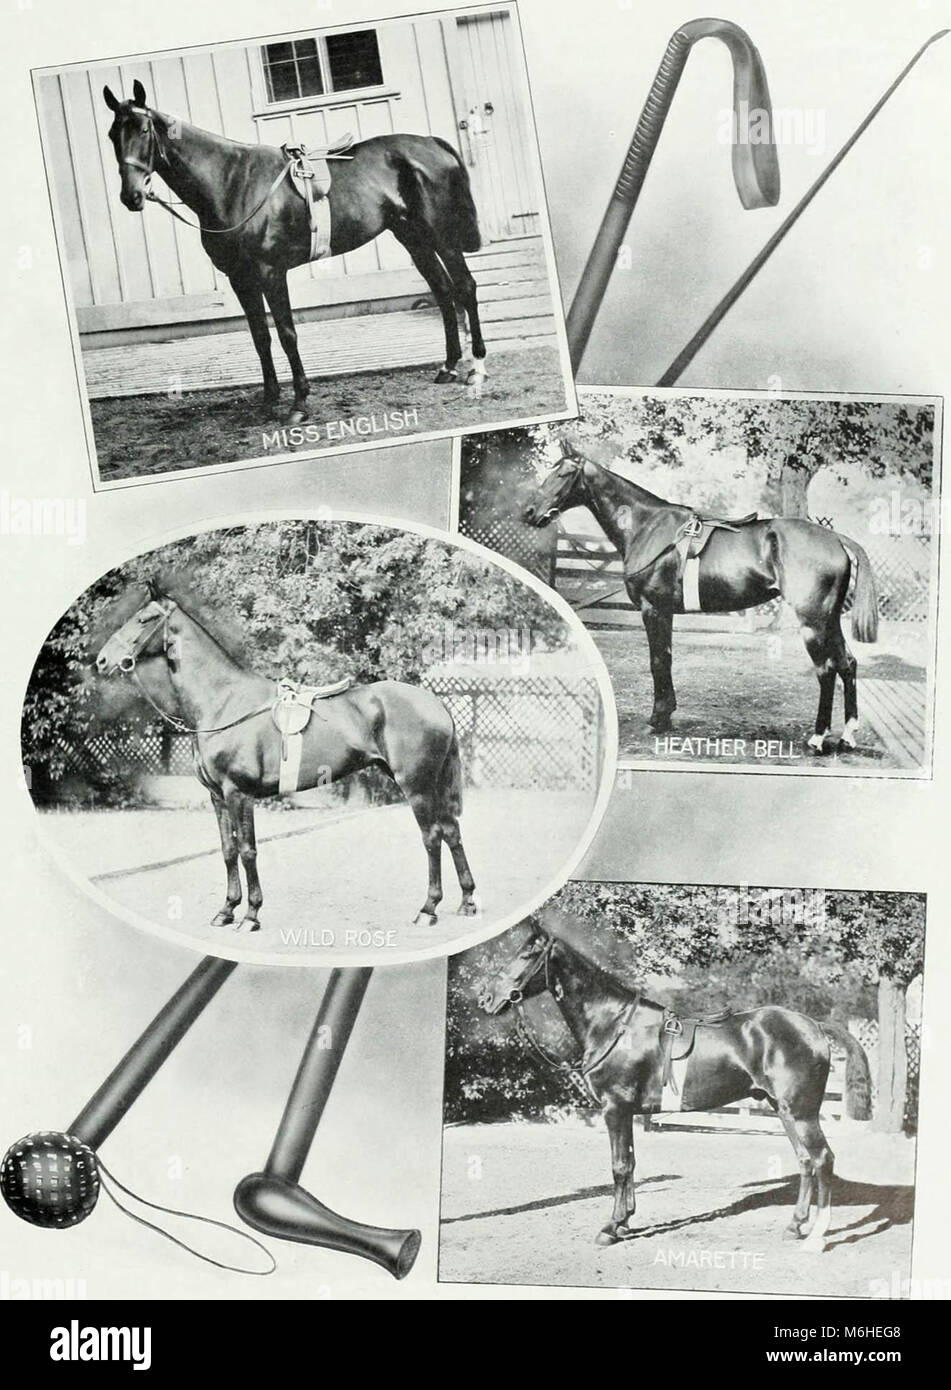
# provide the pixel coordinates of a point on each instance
(561, 490)
(135, 142)
(145, 634)
(524, 976)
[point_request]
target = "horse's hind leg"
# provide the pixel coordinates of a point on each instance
(807, 1177)
(275, 289)
(229, 850)
(450, 801)
(437, 277)
(251, 298)
(464, 286)
(820, 654)
(823, 1162)
(427, 819)
(847, 667)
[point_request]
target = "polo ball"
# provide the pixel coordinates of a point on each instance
(50, 1179)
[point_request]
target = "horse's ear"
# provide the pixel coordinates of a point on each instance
(111, 100)
(138, 93)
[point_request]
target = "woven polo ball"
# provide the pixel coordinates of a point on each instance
(50, 1179)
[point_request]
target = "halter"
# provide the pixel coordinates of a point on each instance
(127, 666)
(575, 1072)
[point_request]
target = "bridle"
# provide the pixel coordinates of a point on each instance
(148, 169)
(127, 666)
(565, 489)
(576, 1072)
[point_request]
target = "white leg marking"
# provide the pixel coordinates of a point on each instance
(817, 741)
(848, 733)
(476, 378)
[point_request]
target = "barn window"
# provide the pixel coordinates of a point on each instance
(316, 67)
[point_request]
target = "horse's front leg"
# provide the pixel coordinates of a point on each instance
(275, 290)
(241, 808)
(250, 295)
(229, 850)
(620, 1126)
(659, 626)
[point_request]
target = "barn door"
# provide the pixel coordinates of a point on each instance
(491, 103)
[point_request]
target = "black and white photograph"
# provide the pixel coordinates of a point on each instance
(760, 575)
(473, 759)
(397, 704)
(373, 195)
(687, 1087)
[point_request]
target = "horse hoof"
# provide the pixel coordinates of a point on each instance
(468, 910)
(843, 747)
(425, 919)
(444, 375)
(605, 1238)
(297, 416)
(660, 724)
(625, 1233)
(222, 919)
(792, 1233)
(249, 924)
(811, 1246)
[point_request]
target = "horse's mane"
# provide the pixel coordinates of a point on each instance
(607, 977)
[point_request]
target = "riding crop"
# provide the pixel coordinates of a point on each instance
(755, 164)
(684, 358)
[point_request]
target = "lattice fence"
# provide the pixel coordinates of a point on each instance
(866, 1031)
(533, 549)
(537, 732)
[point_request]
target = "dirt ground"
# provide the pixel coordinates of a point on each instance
(323, 873)
(138, 436)
(741, 686)
(522, 1204)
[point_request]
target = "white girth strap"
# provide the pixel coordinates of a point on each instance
(672, 1099)
(691, 585)
(292, 746)
(320, 228)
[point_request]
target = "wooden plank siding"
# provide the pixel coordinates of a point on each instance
(141, 272)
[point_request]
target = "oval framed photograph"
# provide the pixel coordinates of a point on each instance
(316, 740)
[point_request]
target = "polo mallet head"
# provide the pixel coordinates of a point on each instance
(50, 1179)
(755, 164)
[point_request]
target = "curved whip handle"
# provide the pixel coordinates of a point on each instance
(755, 165)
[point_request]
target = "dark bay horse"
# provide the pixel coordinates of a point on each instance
(768, 1053)
(403, 729)
(414, 186)
(744, 563)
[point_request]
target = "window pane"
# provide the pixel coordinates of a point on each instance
(282, 82)
(354, 60)
(305, 48)
(278, 52)
(311, 82)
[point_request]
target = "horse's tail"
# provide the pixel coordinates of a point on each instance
(450, 781)
(454, 217)
(865, 601)
(858, 1077)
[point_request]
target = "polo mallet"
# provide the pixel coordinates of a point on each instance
(273, 1201)
(755, 164)
(683, 359)
(51, 1178)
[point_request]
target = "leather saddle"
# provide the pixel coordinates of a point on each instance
(292, 712)
(692, 535)
(678, 1037)
(292, 709)
(310, 176)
